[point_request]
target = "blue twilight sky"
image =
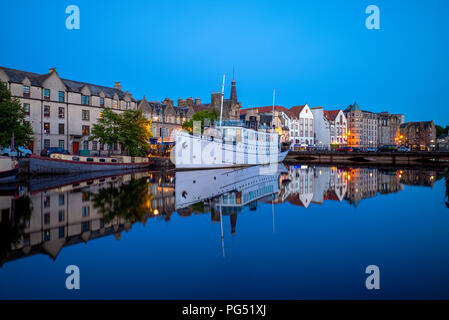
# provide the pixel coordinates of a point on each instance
(318, 52)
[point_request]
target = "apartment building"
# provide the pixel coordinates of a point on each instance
(61, 111)
(302, 126)
(362, 127)
(338, 127)
(419, 135)
(388, 128)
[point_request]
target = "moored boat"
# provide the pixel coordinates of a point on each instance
(66, 163)
(8, 169)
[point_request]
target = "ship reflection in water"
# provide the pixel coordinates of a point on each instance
(47, 215)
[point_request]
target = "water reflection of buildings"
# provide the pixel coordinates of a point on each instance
(46, 220)
(318, 184)
(79, 212)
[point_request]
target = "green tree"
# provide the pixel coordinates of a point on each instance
(200, 116)
(440, 130)
(106, 130)
(134, 132)
(130, 129)
(12, 120)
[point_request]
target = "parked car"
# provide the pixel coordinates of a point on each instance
(388, 148)
(46, 152)
(356, 150)
(345, 149)
(403, 149)
(371, 149)
(20, 152)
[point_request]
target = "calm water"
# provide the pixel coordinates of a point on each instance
(299, 232)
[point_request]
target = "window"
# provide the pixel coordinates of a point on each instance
(61, 200)
(85, 115)
(85, 130)
(101, 146)
(115, 146)
(26, 91)
(127, 105)
(85, 196)
(114, 104)
(46, 111)
(46, 94)
(47, 127)
(85, 211)
(85, 100)
(94, 145)
(26, 108)
(61, 96)
(46, 143)
(46, 201)
(101, 102)
(85, 226)
(47, 218)
(61, 144)
(61, 129)
(61, 113)
(61, 232)
(61, 215)
(46, 235)
(86, 145)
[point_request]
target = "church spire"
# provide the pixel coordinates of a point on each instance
(233, 92)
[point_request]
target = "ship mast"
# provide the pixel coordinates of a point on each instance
(274, 93)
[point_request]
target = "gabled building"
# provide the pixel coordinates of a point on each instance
(338, 127)
(362, 127)
(61, 111)
(302, 126)
(166, 118)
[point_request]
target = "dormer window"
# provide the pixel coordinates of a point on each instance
(46, 94)
(84, 100)
(114, 104)
(101, 102)
(26, 91)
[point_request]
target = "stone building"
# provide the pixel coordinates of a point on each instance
(362, 127)
(388, 128)
(166, 118)
(62, 112)
(418, 135)
(231, 106)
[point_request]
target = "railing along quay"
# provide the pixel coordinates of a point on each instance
(435, 158)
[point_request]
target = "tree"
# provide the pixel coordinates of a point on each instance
(106, 130)
(130, 129)
(200, 116)
(440, 130)
(12, 120)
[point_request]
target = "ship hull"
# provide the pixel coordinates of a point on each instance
(42, 165)
(199, 152)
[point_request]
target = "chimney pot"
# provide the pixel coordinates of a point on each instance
(50, 70)
(118, 85)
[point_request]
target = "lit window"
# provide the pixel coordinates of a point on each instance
(47, 127)
(85, 130)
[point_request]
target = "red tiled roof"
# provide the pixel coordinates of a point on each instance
(331, 114)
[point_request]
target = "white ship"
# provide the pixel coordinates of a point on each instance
(226, 146)
(250, 183)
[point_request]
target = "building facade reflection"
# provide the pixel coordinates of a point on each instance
(46, 220)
